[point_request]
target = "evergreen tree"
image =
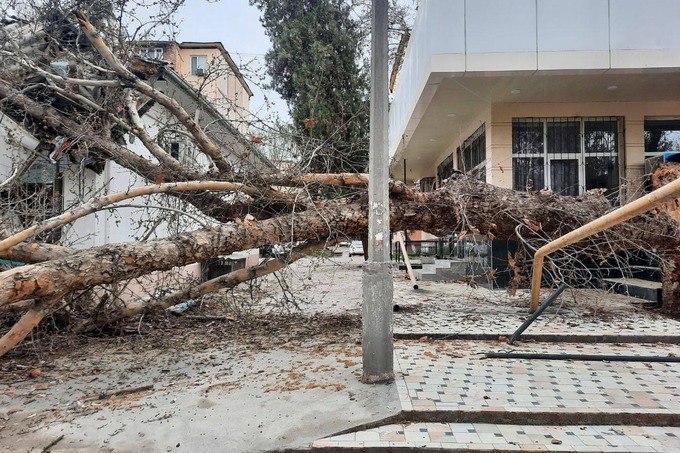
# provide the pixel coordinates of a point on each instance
(314, 66)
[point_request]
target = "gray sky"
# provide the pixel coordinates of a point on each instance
(237, 25)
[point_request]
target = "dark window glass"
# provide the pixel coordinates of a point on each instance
(427, 184)
(600, 136)
(564, 176)
(474, 154)
(662, 135)
(602, 173)
(445, 169)
(564, 137)
(528, 173)
(527, 137)
(174, 150)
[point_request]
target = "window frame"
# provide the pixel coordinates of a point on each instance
(195, 67)
(152, 53)
(649, 154)
(581, 156)
(476, 142)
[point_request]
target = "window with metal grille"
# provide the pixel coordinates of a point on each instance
(566, 155)
(427, 184)
(472, 154)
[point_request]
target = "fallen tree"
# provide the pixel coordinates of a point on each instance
(242, 209)
(463, 205)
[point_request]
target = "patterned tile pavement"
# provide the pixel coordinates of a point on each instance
(453, 375)
(492, 437)
(446, 386)
(456, 309)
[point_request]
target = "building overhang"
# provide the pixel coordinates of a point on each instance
(450, 103)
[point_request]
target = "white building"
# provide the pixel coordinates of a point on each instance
(569, 95)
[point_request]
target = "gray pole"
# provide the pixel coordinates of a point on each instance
(377, 273)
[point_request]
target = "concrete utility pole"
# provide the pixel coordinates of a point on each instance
(377, 275)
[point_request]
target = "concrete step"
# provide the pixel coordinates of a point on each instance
(487, 437)
(442, 264)
(635, 287)
(426, 276)
(453, 271)
(640, 271)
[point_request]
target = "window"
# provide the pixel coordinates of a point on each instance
(445, 169)
(174, 150)
(199, 65)
(661, 136)
(427, 184)
(152, 53)
(37, 198)
(567, 155)
(472, 154)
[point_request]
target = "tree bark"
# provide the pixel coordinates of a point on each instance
(228, 281)
(670, 265)
(23, 327)
(36, 253)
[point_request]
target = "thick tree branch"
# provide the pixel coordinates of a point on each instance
(96, 204)
(36, 253)
(228, 281)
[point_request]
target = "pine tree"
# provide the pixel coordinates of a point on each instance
(314, 66)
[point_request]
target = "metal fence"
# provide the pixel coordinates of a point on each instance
(446, 248)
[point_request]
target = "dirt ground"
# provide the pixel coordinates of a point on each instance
(280, 374)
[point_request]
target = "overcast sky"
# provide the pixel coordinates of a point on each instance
(237, 25)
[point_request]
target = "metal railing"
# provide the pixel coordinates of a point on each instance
(445, 248)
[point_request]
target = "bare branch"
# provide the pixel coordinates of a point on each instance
(202, 140)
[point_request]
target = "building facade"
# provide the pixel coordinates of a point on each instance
(567, 95)
(209, 69)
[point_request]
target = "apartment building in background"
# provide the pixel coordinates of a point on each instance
(209, 69)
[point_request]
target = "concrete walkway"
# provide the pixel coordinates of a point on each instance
(454, 399)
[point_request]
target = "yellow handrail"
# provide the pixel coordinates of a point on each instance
(636, 207)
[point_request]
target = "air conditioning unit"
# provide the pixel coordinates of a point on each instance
(200, 72)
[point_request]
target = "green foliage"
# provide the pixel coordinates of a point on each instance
(314, 67)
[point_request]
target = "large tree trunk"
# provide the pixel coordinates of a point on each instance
(463, 205)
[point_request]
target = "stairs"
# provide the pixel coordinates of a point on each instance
(449, 269)
(640, 276)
